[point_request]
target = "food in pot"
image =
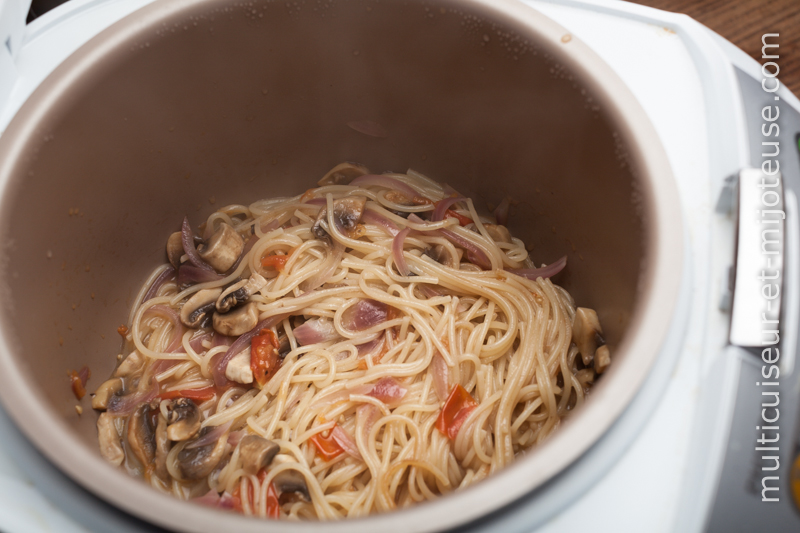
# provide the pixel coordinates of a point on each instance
(367, 345)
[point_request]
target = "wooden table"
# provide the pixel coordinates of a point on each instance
(743, 22)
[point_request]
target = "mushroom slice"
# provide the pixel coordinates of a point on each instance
(184, 420)
(238, 321)
(104, 393)
(347, 212)
(141, 436)
(602, 358)
(290, 481)
(239, 369)
(498, 232)
(586, 332)
(240, 292)
(343, 174)
(197, 463)
(440, 254)
(175, 249)
(130, 365)
(223, 248)
(199, 307)
(110, 445)
(256, 453)
(162, 448)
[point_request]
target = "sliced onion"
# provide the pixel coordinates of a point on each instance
(326, 270)
(168, 275)
(389, 391)
(212, 436)
(246, 250)
(187, 239)
(364, 314)
(314, 331)
(190, 275)
(197, 342)
(371, 346)
(442, 206)
(371, 217)
(501, 213)
(317, 201)
(430, 291)
(368, 127)
(387, 182)
(441, 376)
(235, 436)
(346, 442)
(214, 499)
(366, 415)
(397, 252)
(474, 254)
(545, 272)
(126, 405)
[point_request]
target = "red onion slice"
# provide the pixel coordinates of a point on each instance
(387, 182)
(365, 314)
(368, 127)
(168, 275)
(501, 213)
(212, 436)
(366, 415)
(371, 217)
(126, 405)
(441, 377)
(389, 391)
(397, 252)
(442, 206)
(346, 442)
(545, 272)
(474, 254)
(314, 331)
(190, 275)
(187, 239)
(235, 436)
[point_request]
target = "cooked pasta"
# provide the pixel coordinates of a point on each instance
(367, 345)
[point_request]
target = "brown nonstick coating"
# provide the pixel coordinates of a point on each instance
(196, 105)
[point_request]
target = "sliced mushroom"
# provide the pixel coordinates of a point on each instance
(105, 392)
(184, 420)
(347, 212)
(197, 463)
(238, 321)
(110, 445)
(256, 453)
(199, 307)
(602, 358)
(498, 232)
(440, 254)
(223, 248)
(239, 292)
(175, 249)
(141, 436)
(290, 481)
(130, 365)
(162, 447)
(586, 332)
(238, 368)
(343, 173)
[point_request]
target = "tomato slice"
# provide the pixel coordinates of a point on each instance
(264, 360)
(78, 381)
(456, 409)
(278, 262)
(273, 504)
(462, 220)
(327, 448)
(200, 395)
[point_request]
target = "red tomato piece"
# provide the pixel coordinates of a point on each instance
(278, 262)
(200, 395)
(264, 360)
(456, 409)
(462, 220)
(327, 447)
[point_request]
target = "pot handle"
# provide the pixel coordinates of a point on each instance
(757, 275)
